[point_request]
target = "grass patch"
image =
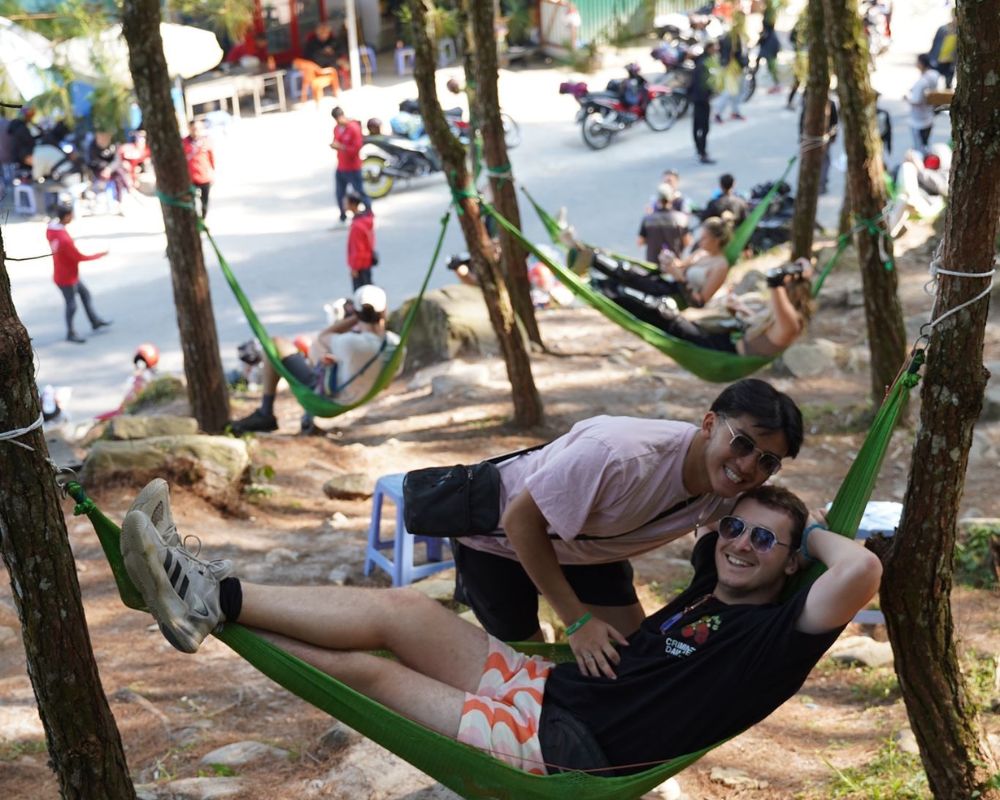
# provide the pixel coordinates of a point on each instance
(12, 751)
(875, 687)
(974, 555)
(891, 775)
(157, 392)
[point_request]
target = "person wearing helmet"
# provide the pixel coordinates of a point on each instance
(144, 362)
(66, 272)
(344, 360)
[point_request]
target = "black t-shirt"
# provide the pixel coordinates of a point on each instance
(709, 675)
(663, 227)
(732, 203)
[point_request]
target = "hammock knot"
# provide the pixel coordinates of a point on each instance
(85, 506)
(178, 201)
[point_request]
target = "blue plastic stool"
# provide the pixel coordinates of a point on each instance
(400, 566)
(405, 58)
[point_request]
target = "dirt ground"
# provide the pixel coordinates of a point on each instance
(172, 709)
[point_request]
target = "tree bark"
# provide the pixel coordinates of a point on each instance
(206, 385)
(883, 313)
(485, 264)
(85, 749)
(814, 123)
(484, 106)
(919, 568)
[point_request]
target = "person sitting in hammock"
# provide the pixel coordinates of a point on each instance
(695, 279)
(717, 659)
(766, 333)
(344, 360)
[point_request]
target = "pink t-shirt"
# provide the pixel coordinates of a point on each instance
(608, 476)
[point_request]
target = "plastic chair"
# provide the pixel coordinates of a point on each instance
(366, 55)
(447, 52)
(405, 59)
(24, 200)
(400, 567)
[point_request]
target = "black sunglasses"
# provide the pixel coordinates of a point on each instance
(742, 446)
(761, 539)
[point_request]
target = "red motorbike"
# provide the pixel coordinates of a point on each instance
(622, 104)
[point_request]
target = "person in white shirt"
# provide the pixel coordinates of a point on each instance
(922, 112)
(344, 361)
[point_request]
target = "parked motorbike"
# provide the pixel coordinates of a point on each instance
(622, 104)
(385, 159)
(775, 227)
(409, 118)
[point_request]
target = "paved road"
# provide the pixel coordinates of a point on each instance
(272, 212)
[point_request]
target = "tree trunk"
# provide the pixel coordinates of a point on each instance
(814, 124)
(919, 567)
(883, 314)
(85, 749)
(484, 105)
(485, 264)
(206, 385)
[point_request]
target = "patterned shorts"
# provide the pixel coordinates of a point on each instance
(502, 715)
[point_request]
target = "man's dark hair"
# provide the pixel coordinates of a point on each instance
(772, 410)
(726, 182)
(780, 499)
(337, 112)
(924, 60)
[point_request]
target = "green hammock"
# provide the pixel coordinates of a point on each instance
(717, 366)
(473, 773)
(316, 404)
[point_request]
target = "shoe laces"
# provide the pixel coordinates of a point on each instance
(195, 551)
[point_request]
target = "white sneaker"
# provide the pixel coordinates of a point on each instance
(154, 502)
(180, 590)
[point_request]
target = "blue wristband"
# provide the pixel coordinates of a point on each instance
(803, 548)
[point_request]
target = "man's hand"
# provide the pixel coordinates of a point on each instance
(593, 646)
(328, 360)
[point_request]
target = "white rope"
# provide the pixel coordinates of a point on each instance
(11, 436)
(936, 270)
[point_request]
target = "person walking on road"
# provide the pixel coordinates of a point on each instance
(347, 141)
(701, 99)
(201, 162)
(922, 112)
(66, 272)
(361, 255)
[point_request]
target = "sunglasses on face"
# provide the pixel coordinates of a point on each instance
(762, 539)
(742, 445)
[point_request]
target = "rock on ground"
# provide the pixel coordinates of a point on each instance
(861, 650)
(144, 427)
(239, 753)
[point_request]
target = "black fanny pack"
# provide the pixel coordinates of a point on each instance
(463, 500)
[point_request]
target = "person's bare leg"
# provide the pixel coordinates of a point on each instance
(406, 691)
(268, 376)
(424, 636)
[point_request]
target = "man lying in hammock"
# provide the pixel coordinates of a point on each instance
(717, 659)
(767, 333)
(344, 360)
(576, 510)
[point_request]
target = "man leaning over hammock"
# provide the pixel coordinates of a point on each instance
(720, 657)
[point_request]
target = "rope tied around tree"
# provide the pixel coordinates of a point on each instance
(12, 435)
(809, 143)
(501, 173)
(458, 195)
(177, 201)
(937, 269)
(875, 226)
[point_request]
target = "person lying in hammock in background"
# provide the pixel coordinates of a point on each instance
(695, 278)
(344, 360)
(766, 333)
(720, 657)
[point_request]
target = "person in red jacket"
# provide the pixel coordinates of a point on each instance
(66, 272)
(347, 141)
(361, 256)
(201, 161)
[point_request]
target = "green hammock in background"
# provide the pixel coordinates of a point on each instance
(717, 366)
(317, 404)
(473, 773)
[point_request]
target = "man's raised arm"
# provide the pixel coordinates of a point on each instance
(850, 581)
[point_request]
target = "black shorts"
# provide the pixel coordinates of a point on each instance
(505, 600)
(300, 367)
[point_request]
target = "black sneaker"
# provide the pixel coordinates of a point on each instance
(257, 422)
(101, 323)
(72, 337)
(706, 160)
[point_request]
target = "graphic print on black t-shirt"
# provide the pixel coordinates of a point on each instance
(707, 675)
